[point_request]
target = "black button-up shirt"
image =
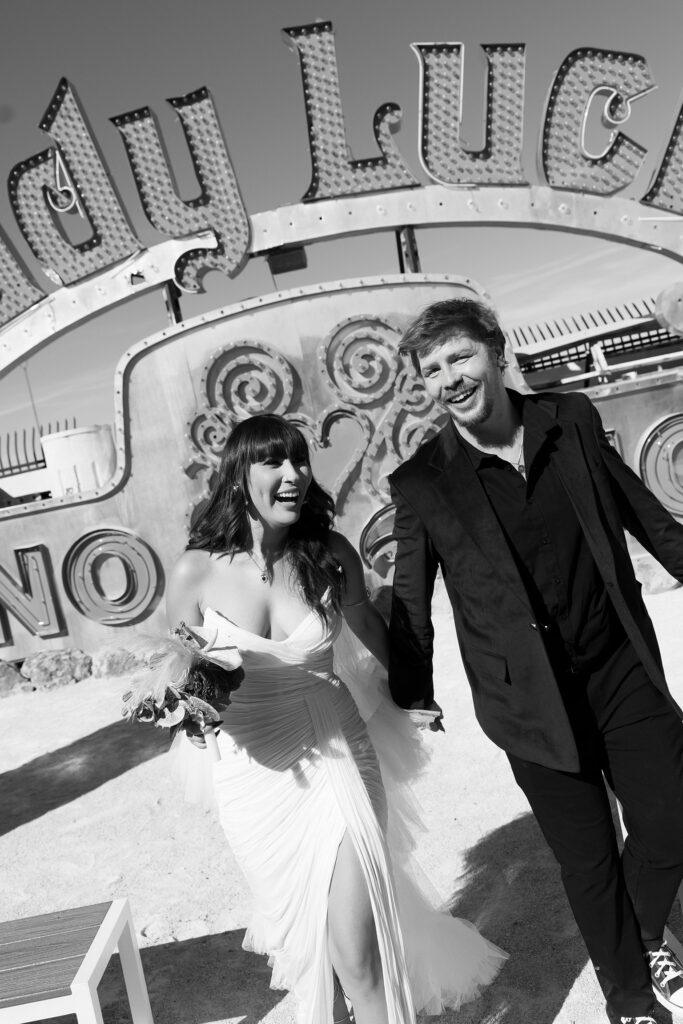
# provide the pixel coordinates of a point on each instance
(571, 604)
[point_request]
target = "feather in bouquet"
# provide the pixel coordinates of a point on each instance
(185, 683)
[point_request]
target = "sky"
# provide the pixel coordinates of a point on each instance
(125, 54)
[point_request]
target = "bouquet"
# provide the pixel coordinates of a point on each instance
(187, 681)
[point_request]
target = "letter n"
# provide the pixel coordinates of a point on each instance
(33, 600)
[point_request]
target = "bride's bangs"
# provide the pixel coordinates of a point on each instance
(277, 439)
(222, 524)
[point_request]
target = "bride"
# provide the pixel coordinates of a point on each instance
(308, 796)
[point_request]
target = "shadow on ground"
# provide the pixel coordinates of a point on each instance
(511, 890)
(210, 978)
(513, 893)
(63, 775)
(196, 981)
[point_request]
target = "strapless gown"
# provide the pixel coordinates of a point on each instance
(298, 770)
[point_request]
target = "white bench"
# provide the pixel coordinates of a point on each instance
(51, 965)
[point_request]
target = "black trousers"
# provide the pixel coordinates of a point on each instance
(628, 734)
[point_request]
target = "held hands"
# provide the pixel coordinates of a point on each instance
(205, 738)
(196, 733)
(431, 716)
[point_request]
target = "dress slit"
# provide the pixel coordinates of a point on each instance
(363, 826)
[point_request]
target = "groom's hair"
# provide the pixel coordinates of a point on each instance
(448, 319)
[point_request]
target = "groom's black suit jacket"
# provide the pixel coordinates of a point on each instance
(444, 519)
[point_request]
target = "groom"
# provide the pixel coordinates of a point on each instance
(522, 503)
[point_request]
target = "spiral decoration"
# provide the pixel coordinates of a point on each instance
(409, 392)
(374, 391)
(249, 377)
(208, 434)
(410, 431)
(360, 360)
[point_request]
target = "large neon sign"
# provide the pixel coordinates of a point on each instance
(581, 185)
(72, 170)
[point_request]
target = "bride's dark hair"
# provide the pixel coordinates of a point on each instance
(222, 525)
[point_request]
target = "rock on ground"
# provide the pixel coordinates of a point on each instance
(56, 668)
(115, 662)
(10, 679)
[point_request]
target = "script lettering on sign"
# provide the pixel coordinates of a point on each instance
(334, 172)
(219, 205)
(17, 292)
(443, 155)
(583, 148)
(616, 80)
(38, 193)
(667, 189)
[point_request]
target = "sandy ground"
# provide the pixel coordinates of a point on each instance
(88, 812)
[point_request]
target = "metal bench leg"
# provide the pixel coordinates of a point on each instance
(87, 1004)
(133, 976)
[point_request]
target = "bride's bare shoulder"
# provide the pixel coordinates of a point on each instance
(187, 582)
(193, 566)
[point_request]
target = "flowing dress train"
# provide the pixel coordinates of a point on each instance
(299, 770)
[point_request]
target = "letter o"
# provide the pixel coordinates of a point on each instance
(111, 576)
(661, 462)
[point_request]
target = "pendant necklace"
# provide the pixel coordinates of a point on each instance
(263, 570)
(518, 463)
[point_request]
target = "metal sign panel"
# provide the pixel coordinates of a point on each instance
(77, 567)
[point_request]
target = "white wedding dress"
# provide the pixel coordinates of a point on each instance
(299, 768)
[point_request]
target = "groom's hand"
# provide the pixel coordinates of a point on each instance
(437, 724)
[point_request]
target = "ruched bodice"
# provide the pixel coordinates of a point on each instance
(286, 682)
(298, 770)
(308, 648)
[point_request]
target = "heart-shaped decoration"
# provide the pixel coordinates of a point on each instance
(341, 439)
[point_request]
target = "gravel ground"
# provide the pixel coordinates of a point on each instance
(88, 812)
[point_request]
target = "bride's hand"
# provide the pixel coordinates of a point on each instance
(437, 724)
(195, 733)
(433, 715)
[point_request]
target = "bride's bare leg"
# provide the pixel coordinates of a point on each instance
(353, 940)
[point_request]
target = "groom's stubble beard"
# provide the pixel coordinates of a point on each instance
(473, 417)
(487, 397)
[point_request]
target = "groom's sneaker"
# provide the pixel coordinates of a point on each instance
(637, 1020)
(666, 972)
